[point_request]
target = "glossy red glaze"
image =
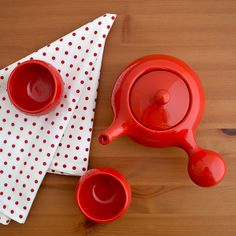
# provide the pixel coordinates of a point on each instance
(206, 168)
(173, 99)
(103, 194)
(35, 87)
(155, 96)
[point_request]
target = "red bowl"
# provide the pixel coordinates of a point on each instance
(35, 87)
(103, 195)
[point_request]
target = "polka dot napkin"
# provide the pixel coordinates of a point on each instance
(58, 142)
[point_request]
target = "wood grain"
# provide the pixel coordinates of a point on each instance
(165, 202)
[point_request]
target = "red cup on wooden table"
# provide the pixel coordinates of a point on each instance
(103, 194)
(35, 87)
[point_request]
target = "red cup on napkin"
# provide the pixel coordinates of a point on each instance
(103, 194)
(35, 87)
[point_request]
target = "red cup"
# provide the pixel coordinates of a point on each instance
(103, 195)
(35, 87)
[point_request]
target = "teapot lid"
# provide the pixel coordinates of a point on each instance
(159, 99)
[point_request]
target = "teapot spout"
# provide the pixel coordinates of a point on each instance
(116, 129)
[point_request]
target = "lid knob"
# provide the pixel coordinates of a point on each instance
(162, 97)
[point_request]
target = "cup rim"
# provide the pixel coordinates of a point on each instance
(123, 181)
(9, 85)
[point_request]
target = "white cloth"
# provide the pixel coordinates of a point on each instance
(57, 142)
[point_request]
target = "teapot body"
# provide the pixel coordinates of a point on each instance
(158, 101)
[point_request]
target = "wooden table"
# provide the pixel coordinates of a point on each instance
(165, 201)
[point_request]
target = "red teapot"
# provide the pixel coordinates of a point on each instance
(158, 101)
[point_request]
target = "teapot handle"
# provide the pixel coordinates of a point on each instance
(206, 168)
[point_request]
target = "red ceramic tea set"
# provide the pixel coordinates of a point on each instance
(158, 101)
